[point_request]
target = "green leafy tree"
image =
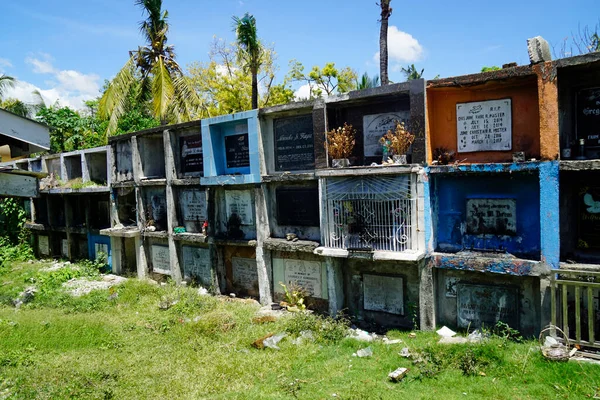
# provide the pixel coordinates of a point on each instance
(367, 82)
(19, 107)
(386, 12)
(412, 73)
(488, 69)
(250, 50)
(162, 81)
(326, 80)
(6, 82)
(225, 88)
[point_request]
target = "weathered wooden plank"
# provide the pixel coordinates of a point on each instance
(578, 313)
(14, 185)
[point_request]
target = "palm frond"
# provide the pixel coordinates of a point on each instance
(114, 100)
(186, 101)
(5, 83)
(162, 89)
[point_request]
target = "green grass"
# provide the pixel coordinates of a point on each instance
(93, 347)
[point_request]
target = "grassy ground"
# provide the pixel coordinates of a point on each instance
(125, 347)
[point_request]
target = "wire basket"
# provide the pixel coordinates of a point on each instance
(555, 344)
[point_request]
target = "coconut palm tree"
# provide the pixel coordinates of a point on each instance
(412, 73)
(163, 83)
(5, 83)
(251, 51)
(386, 12)
(367, 82)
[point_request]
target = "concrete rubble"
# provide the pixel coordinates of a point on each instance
(81, 286)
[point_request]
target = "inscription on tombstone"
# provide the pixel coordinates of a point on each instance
(479, 305)
(492, 216)
(65, 248)
(377, 125)
(193, 205)
(383, 293)
(196, 264)
(161, 262)
(240, 203)
(306, 274)
(43, 245)
(190, 148)
(484, 126)
(297, 206)
(237, 151)
(244, 273)
(589, 218)
(588, 116)
(294, 143)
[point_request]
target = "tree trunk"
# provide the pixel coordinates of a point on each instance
(254, 89)
(386, 11)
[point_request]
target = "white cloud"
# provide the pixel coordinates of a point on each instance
(302, 93)
(4, 63)
(68, 87)
(402, 48)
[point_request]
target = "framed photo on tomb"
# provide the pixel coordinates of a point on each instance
(587, 116)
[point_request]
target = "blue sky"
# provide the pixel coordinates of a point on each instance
(67, 48)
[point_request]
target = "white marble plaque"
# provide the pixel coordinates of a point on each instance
(161, 262)
(484, 126)
(196, 264)
(65, 247)
(306, 274)
(244, 273)
(100, 248)
(193, 205)
(492, 216)
(377, 125)
(383, 293)
(479, 305)
(43, 245)
(240, 203)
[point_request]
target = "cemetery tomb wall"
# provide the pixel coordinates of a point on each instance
(72, 164)
(56, 211)
(294, 208)
(155, 206)
(53, 166)
(197, 264)
(41, 210)
(241, 202)
(99, 212)
(241, 274)
(525, 125)
(152, 154)
(158, 255)
(97, 170)
(305, 270)
(123, 160)
(470, 299)
(382, 292)
(126, 206)
(467, 212)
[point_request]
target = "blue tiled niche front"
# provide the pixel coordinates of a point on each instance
(225, 139)
(451, 195)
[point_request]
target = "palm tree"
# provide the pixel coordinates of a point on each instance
(251, 52)
(5, 83)
(366, 82)
(386, 12)
(162, 80)
(411, 72)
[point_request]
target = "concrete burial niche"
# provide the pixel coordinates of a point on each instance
(469, 300)
(288, 134)
(99, 211)
(485, 117)
(155, 207)
(35, 165)
(487, 213)
(56, 211)
(159, 261)
(372, 113)
(43, 246)
(126, 206)
(152, 155)
(301, 270)
(76, 211)
(96, 167)
(293, 207)
(382, 293)
(40, 206)
(123, 160)
(192, 208)
(189, 158)
(72, 166)
(579, 105)
(78, 247)
(241, 273)
(197, 265)
(235, 216)
(231, 149)
(52, 166)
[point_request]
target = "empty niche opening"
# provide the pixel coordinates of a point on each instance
(79, 246)
(77, 208)
(53, 167)
(126, 206)
(100, 215)
(36, 165)
(41, 211)
(123, 162)
(97, 168)
(127, 256)
(155, 208)
(152, 154)
(22, 165)
(59, 247)
(56, 211)
(192, 209)
(73, 167)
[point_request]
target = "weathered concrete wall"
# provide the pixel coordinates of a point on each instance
(548, 107)
(222, 215)
(152, 155)
(240, 271)
(442, 120)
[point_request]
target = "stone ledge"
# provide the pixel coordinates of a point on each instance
(367, 170)
(579, 165)
(234, 242)
(377, 255)
(505, 264)
(91, 189)
(36, 227)
(276, 244)
(485, 168)
(157, 235)
(126, 232)
(153, 182)
(289, 177)
(191, 237)
(123, 184)
(191, 181)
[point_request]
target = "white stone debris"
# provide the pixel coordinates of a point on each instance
(305, 336)
(57, 266)
(445, 332)
(25, 296)
(398, 374)
(361, 335)
(362, 353)
(271, 342)
(81, 286)
(405, 352)
(391, 341)
(202, 291)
